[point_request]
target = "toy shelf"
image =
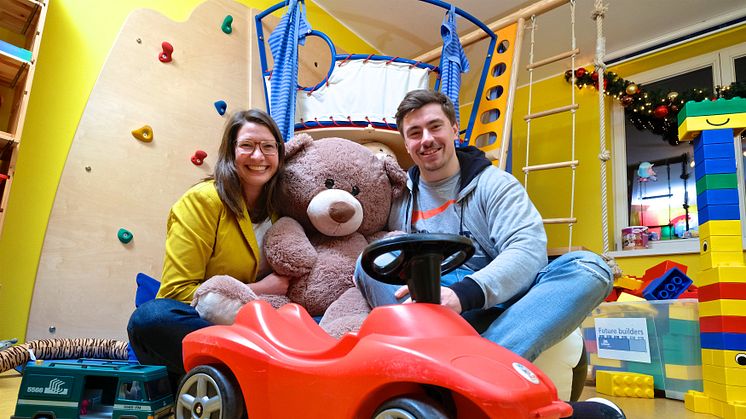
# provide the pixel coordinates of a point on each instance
(21, 24)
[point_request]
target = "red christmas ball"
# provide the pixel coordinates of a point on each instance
(660, 112)
(594, 76)
(580, 72)
(627, 100)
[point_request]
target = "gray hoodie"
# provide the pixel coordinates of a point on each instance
(499, 217)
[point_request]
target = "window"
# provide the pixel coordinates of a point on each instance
(654, 184)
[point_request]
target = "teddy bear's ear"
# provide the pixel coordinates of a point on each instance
(397, 176)
(298, 143)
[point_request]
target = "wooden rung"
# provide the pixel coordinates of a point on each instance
(560, 220)
(550, 112)
(570, 163)
(550, 60)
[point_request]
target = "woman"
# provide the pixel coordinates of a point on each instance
(215, 228)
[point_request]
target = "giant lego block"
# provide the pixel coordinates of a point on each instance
(729, 324)
(724, 150)
(724, 375)
(717, 181)
(721, 274)
(720, 228)
(668, 286)
(714, 259)
(719, 358)
(624, 384)
(717, 197)
(724, 341)
(722, 308)
(724, 290)
(724, 392)
(719, 212)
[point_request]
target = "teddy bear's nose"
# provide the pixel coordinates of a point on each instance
(341, 212)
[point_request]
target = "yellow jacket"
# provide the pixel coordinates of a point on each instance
(203, 239)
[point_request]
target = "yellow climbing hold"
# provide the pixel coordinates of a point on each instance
(144, 134)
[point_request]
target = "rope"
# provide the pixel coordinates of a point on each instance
(598, 15)
(572, 184)
(530, 97)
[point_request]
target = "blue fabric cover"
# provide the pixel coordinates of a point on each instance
(283, 43)
(147, 288)
(453, 60)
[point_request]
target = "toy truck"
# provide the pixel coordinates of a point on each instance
(88, 388)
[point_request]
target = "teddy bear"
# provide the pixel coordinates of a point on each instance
(334, 199)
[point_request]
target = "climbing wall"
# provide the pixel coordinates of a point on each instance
(85, 285)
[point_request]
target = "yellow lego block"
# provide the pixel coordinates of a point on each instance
(735, 410)
(628, 282)
(724, 375)
(720, 243)
(683, 311)
(624, 384)
(723, 358)
(722, 308)
(696, 401)
(712, 259)
(720, 228)
(605, 362)
(694, 125)
(684, 372)
(625, 297)
(726, 393)
(720, 274)
(588, 323)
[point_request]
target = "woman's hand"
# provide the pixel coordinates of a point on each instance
(271, 284)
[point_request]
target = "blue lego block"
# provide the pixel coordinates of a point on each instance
(714, 136)
(713, 166)
(718, 212)
(723, 341)
(668, 286)
(715, 151)
(717, 197)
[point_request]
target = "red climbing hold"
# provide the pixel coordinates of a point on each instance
(165, 55)
(199, 157)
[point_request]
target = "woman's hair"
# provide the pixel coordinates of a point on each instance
(226, 177)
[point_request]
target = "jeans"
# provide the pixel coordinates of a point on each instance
(561, 296)
(156, 330)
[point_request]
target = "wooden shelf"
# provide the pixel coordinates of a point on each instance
(19, 15)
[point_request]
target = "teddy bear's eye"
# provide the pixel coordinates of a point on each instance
(329, 183)
(355, 190)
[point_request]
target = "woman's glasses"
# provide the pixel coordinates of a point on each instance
(268, 148)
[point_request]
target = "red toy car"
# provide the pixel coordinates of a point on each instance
(407, 361)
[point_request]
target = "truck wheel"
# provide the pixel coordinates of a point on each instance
(207, 392)
(408, 408)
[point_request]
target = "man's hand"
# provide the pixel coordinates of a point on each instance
(448, 298)
(271, 284)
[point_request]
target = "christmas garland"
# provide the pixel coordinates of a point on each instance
(654, 111)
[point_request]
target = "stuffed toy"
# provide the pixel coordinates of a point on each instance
(334, 199)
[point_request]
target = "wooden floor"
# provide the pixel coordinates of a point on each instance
(633, 408)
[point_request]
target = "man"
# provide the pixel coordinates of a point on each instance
(506, 290)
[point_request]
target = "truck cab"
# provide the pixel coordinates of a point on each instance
(89, 388)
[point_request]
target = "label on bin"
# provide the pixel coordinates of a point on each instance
(625, 339)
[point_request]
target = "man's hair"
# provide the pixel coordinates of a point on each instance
(416, 99)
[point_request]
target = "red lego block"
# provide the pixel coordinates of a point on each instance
(691, 292)
(723, 291)
(722, 324)
(613, 295)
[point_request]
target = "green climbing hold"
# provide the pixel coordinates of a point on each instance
(124, 236)
(227, 24)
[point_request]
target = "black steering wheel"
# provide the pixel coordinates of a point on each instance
(417, 260)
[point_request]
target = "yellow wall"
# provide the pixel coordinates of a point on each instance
(75, 44)
(550, 141)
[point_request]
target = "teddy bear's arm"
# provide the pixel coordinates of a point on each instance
(287, 248)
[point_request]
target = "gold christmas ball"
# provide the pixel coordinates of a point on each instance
(632, 89)
(672, 96)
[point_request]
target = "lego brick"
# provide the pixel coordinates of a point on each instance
(720, 228)
(720, 243)
(714, 151)
(680, 341)
(723, 392)
(625, 297)
(719, 212)
(724, 341)
(693, 128)
(721, 274)
(717, 181)
(728, 324)
(723, 375)
(682, 386)
(628, 282)
(724, 290)
(686, 328)
(605, 362)
(715, 259)
(668, 286)
(654, 369)
(624, 384)
(722, 308)
(691, 293)
(683, 311)
(707, 108)
(683, 356)
(717, 197)
(720, 358)
(661, 268)
(683, 372)
(696, 401)
(713, 166)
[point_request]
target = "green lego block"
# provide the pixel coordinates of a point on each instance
(717, 181)
(682, 328)
(707, 107)
(683, 356)
(680, 340)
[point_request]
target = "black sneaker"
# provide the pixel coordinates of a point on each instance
(596, 408)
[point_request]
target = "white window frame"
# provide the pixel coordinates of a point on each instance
(619, 152)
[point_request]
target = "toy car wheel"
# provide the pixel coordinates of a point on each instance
(407, 408)
(207, 392)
